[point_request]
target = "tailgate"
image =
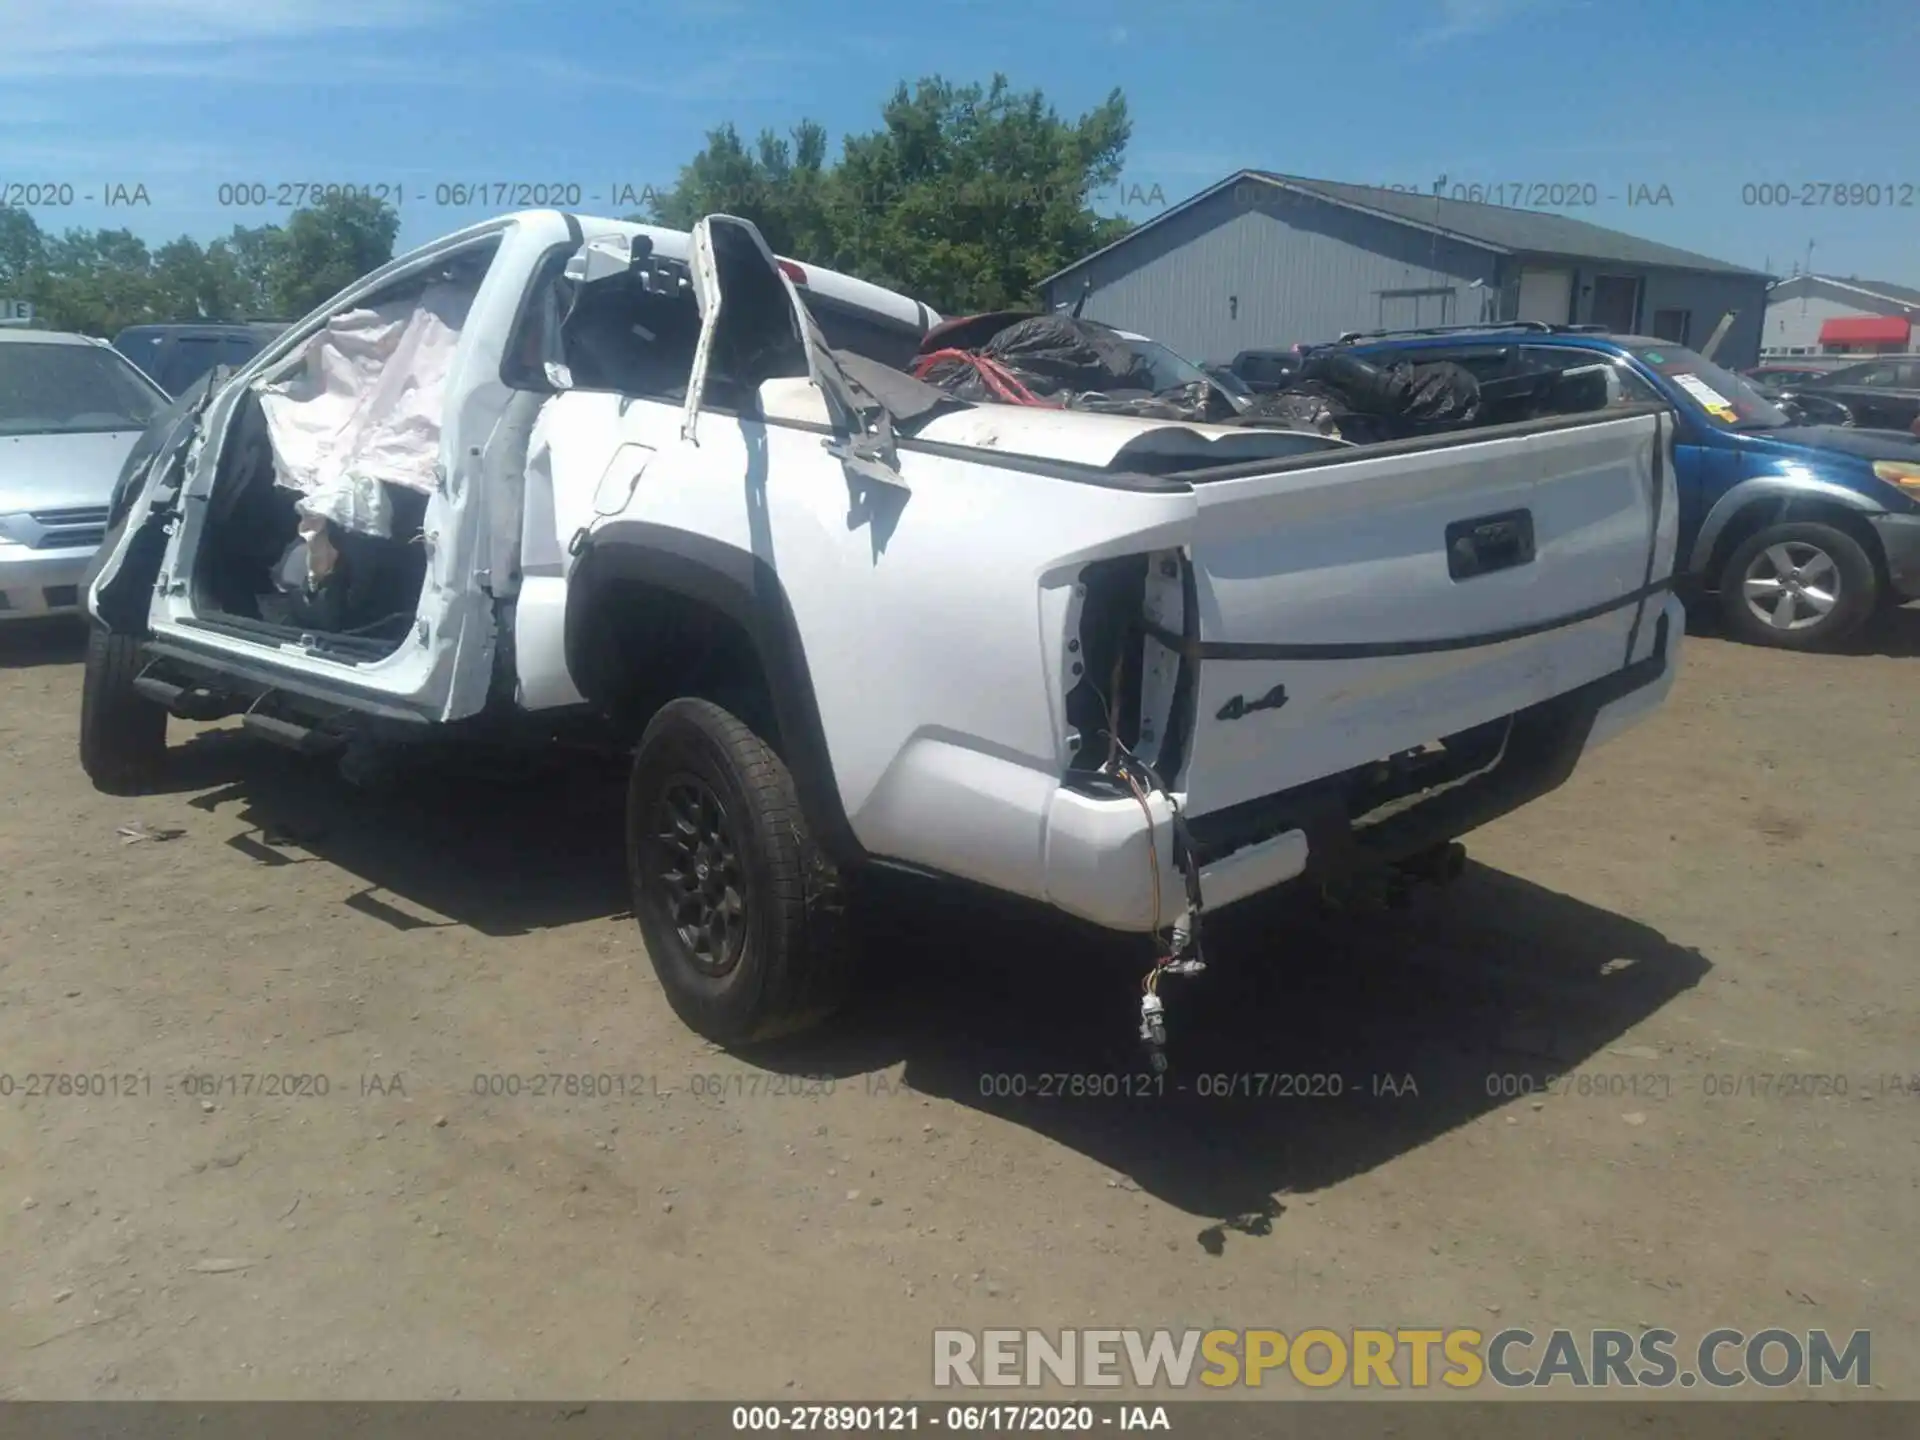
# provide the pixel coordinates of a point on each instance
(1352, 610)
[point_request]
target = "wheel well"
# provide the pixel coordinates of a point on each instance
(639, 645)
(1785, 510)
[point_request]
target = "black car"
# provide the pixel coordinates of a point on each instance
(1804, 408)
(177, 355)
(1224, 377)
(1787, 372)
(1265, 371)
(1878, 394)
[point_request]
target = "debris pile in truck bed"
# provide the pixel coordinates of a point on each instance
(1029, 359)
(1060, 361)
(1364, 402)
(1020, 358)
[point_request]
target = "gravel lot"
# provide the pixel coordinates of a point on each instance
(1727, 892)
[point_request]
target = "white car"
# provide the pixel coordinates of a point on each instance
(554, 468)
(71, 408)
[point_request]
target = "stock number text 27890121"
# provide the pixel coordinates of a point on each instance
(297, 194)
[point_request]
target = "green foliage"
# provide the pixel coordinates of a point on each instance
(101, 281)
(326, 248)
(966, 197)
(782, 187)
(89, 278)
(22, 249)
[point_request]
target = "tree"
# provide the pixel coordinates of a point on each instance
(976, 196)
(782, 186)
(190, 283)
(327, 247)
(94, 281)
(101, 281)
(249, 257)
(966, 197)
(22, 250)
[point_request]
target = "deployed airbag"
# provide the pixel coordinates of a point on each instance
(359, 406)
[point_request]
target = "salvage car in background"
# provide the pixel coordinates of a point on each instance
(1781, 381)
(556, 470)
(177, 355)
(1879, 394)
(1784, 373)
(71, 409)
(1265, 371)
(1803, 531)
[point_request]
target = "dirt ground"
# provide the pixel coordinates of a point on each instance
(1726, 892)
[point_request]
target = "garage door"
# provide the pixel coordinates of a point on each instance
(1546, 296)
(1416, 309)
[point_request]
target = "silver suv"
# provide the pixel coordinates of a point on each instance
(71, 409)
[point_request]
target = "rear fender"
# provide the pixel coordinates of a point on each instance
(745, 589)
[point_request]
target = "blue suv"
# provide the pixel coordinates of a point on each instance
(1802, 532)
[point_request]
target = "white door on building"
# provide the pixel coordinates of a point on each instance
(1546, 295)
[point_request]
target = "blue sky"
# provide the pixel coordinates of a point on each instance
(1702, 97)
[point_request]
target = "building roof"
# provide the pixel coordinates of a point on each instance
(1499, 228)
(1880, 289)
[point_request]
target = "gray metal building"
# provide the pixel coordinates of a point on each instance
(1267, 260)
(1825, 315)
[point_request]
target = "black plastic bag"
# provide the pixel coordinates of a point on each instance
(1051, 353)
(1140, 406)
(959, 379)
(1306, 408)
(1197, 403)
(1441, 395)
(1405, 399)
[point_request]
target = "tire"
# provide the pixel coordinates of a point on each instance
(742, 915)
(1816, 558)
(123, 735)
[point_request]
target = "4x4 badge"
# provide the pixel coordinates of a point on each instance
(1238, 705)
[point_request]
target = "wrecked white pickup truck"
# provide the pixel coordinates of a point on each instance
(554, 467)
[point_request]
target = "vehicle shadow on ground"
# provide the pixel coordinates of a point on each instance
(502, 843)
(61, 640)
(1897, 635)
(1894, 633)
(1342, 1041)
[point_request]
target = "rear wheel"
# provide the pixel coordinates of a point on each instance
(123, 735)
(742, 915)
(1799, 586)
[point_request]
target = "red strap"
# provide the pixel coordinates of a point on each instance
(997, 377)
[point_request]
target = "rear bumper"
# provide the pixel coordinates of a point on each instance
(1097, 852)
(1900, 542)
(36, 583)
(1019, 831)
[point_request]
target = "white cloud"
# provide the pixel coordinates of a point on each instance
(265, 42)
(737, 71)
(180, 37)
(1461, 18)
